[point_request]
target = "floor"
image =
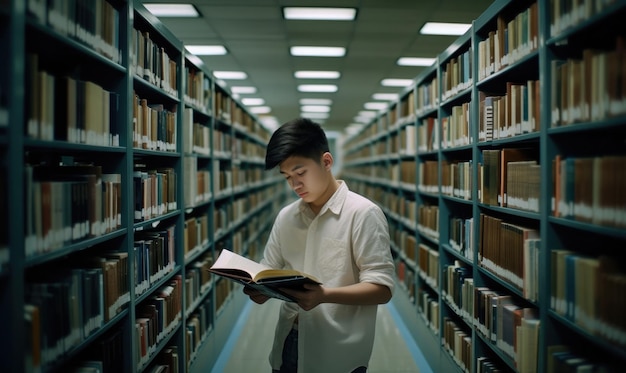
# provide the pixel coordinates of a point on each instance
(395, 350)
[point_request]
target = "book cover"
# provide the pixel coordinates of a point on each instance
(260, 277)
(510, 155)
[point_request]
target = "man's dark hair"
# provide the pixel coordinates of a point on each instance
(299, 137)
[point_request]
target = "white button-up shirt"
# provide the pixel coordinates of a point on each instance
(346, 243)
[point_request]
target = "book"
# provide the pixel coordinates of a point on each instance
(33, 336)
(267, 280)
(508, 155)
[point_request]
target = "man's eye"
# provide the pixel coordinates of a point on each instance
(302, 173)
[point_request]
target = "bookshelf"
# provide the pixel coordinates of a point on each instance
(11, 285)
(510, 257)
(114, 197)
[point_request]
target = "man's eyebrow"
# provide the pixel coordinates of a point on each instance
(293, 169)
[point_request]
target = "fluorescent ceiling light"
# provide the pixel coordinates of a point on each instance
(269, 121)
(354, 128)
(442, 28)
(376, 105)
(195, 60)
(315, 108)
(386, 96)
(314, 115)
(234, 75)
(315, 101)
(317, 74)
(250, 101)
(396, 82)
(318, 51)
(260, 109)
(367, 114)
(243, 89)
(318, 13)
(364, 120)
(415, 61)
(206, 50)
(172, 10)
(317, 88)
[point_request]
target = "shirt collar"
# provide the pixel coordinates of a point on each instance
(334, 204)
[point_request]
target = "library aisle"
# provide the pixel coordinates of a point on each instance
(248, 346)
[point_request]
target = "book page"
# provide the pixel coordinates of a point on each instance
(233, 263)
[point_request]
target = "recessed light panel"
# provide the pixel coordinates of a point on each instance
(232, 75)
(317, 74)
(243, 89)
(386, 96)
(442, 28)
(315, 108)
(269, 121)
(315, 101)
(250, 101)
(354, 128)
(194, 59)
(361, 119)
(376, 105)
(396, 82)
(206, 50)
(314, 115)
(367, 114)
(260, 109)
(172, 10)
(318, 51)
(317, 88)
(415, 61)
(319, 13)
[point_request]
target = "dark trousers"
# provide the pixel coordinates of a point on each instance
(290, 355)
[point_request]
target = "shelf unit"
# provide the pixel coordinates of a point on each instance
(117, 199)
(520, 275)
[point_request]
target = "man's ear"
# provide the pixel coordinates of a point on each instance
(327, 160)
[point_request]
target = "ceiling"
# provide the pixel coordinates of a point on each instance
(258, 39)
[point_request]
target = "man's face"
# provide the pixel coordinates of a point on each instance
(309, 179)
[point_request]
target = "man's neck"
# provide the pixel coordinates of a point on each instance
(316, 207)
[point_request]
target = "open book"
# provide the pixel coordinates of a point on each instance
(260, 277)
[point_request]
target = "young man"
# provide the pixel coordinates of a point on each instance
(337, 236)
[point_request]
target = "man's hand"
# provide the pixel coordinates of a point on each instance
(255, 295)
(309, 298)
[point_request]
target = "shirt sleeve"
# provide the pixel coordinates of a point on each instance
(371, 247)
